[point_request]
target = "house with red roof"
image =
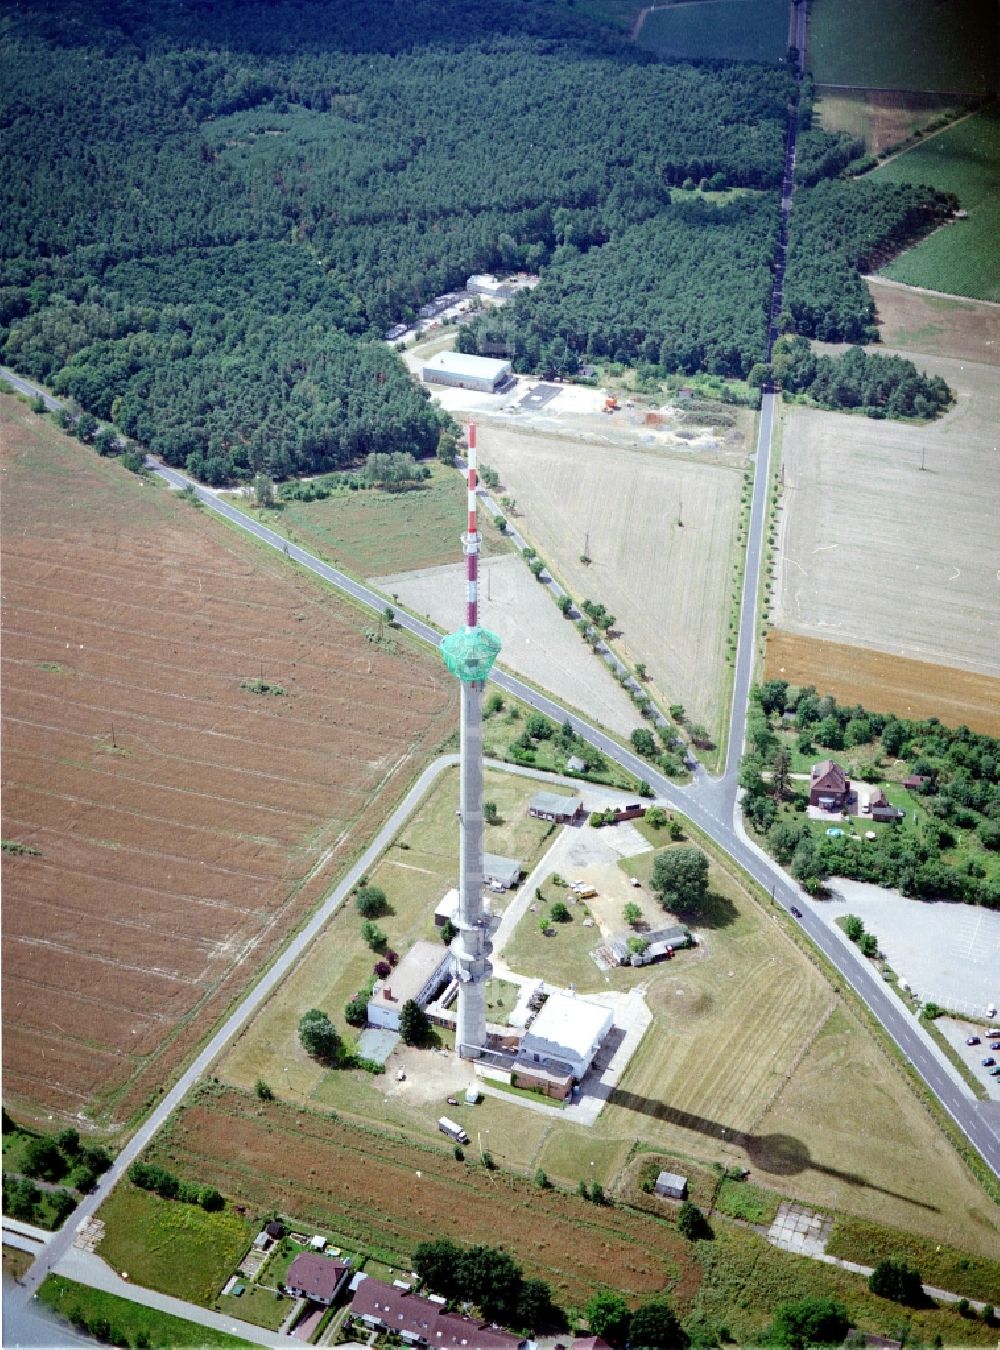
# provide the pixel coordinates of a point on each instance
(317, 1278)
(829, 786)
(424, 1321)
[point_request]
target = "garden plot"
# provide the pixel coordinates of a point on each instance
(888, 532)
(538, 642)
(176, 824)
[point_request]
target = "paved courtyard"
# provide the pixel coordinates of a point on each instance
(798, 1229)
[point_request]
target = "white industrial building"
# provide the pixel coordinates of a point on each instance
(463, 371)
(420, 974)
(566, 1035)
(485, 283)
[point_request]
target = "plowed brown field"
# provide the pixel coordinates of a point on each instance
(377, 1190)
(886, 683)
(184, 825)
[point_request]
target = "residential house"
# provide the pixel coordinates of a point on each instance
(317, 1278)
(882, 809)
(423, 1321)
(829, 786)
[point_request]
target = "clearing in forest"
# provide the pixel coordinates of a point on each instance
(731, 30)
(884, 682)
(962, 256)
(905, 44)
(196, 735)
(887, 533)
(660, 530)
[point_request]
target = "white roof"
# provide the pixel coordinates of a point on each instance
(461, 363)
(571, 1023)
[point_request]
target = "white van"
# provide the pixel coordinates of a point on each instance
(452, 1130)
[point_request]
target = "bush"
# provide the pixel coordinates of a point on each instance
(853, 927)
(356, 1011)
(809, 1321)
(373, 935)
(264, 1092)
(560, 913)
(43, 1159)
(691, 1222)
(414, 1024)
(319, 1037)
(897, 1280)
(371, 901)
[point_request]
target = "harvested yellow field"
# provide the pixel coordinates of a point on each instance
(885, 683)
(888, 531)
(660, 530)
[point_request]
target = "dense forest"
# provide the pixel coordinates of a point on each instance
(211, 211)
(839, 229)
(950, 853)
(881, 386)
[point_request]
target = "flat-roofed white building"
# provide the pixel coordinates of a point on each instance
(568, 1033)
(485, 283)
(464, 371)
(419, 975)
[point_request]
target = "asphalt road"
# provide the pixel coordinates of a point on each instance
(710, 803)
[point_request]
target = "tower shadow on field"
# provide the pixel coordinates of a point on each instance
(776, 1154)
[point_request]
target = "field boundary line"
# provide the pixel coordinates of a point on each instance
(924, 290)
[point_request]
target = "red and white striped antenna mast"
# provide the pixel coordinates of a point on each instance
(472, 540)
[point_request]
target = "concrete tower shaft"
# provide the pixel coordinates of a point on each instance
(471, 655)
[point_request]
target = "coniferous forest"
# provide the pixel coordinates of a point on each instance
(211, 211)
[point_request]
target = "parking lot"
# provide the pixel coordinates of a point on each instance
(948, 953)
(956, 1032)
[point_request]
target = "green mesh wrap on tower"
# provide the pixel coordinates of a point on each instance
(470, 653)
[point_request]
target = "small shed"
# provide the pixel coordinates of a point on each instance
(672, 1185)
(576, 765)
(317, 1243)
(500, 874)
(275, 1229)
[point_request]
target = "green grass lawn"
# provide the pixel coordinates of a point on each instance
(963, 257)
(940, 1265)
(905, 44)
(262, 1307)
(743, 1200)
(128, 1320)
(177, 1248)
(741, 30)
(373, 532)
(561, 955)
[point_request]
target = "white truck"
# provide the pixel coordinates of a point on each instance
(452, 1130)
